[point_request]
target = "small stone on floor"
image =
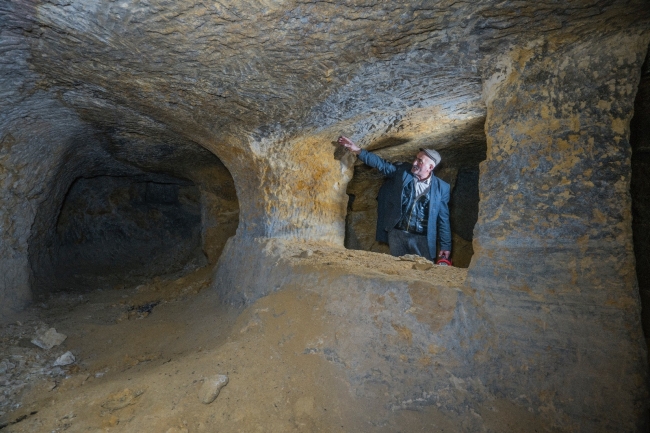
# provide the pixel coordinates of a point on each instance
(211, 388)
(47, 339)
(65, 359)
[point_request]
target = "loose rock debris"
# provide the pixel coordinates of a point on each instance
(48, 338)
(138, 311)
(146, 308)
(422, 266)
(65, 359)
(28, 354)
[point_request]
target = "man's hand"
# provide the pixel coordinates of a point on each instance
(444, 255)
(349, 144)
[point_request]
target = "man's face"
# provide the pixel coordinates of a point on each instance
(422, 166)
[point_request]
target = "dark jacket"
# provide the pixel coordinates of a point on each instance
(389, 209)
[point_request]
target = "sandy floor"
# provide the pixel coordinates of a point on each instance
(143, 354)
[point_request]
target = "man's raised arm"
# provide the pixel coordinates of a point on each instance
(368, 158)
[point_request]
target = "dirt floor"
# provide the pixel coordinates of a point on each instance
(144, 353)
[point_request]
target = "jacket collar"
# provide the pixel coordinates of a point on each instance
(433, 179)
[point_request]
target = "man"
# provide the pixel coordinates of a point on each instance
(413, 210)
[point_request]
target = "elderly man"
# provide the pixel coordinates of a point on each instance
(413, 209)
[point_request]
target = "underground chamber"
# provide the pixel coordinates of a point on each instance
(120, 230)
(111, 230)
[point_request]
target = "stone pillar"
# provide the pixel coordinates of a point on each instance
(292, 190)
(554, 263)
(35, 169)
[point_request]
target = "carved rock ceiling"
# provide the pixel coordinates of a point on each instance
(226, 73)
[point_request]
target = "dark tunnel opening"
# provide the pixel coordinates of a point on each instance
(118, 220)
(463, 213)
(114, 230)
(640, 191)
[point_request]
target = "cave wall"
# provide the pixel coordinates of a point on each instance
(166, 154)
(31, 163)
(219, 216)
(553, 245)
(36, 135)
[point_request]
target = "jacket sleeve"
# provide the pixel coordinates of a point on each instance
(385, 167)
(444, 228)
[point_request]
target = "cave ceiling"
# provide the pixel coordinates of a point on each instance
(224, 74)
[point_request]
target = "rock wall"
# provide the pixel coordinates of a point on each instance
(402, 338)
(289, 189)
(553, 245)
(37, 134)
